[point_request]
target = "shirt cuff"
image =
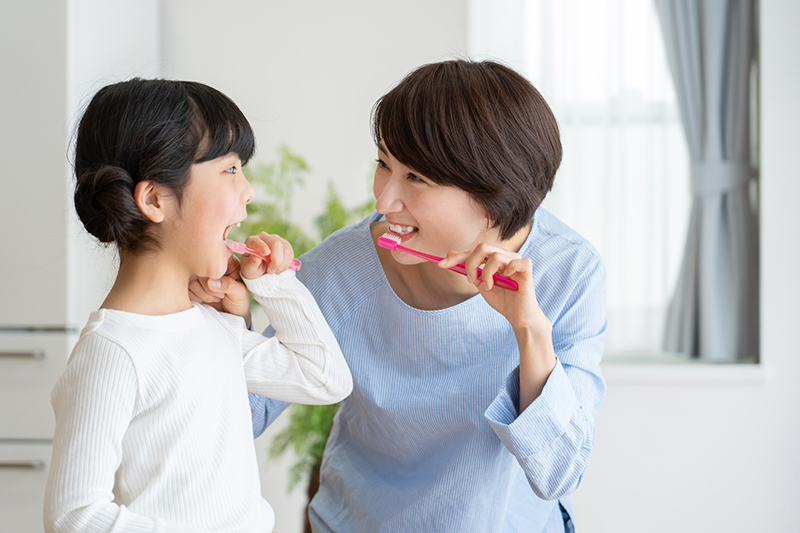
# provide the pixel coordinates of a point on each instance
(546, 419)
(268, 282)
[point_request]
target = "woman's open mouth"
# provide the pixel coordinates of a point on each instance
(403, 231)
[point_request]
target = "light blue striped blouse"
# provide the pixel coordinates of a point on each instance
(431, 438)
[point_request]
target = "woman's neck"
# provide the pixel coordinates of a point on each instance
(426, 286)
(149, 285)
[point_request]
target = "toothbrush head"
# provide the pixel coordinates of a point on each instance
(389, 240)
(234, 246)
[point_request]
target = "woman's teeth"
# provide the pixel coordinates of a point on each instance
(402, 230)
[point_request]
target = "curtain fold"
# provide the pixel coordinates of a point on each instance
(710, 48)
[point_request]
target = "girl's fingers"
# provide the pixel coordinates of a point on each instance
(281, 252)
(255, 242)
(200, 292)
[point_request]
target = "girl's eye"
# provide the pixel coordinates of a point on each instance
(231, 170)
(381, 164)
(415, 178)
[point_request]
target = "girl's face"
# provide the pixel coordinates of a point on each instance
(431, 218)
(213, 202)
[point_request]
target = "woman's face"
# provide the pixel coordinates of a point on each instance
(431, 218)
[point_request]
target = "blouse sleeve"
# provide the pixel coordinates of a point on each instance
(302, 363)
(94, 402)
(553, 438)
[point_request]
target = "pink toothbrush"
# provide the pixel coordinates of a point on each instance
(241, 248)
(391, 241)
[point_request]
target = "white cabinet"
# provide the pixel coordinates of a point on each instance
(30, 364)
(55, 55)
(23, 473)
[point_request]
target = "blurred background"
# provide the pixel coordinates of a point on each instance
(682, 445)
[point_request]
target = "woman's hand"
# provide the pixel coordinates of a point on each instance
(519, 307)
(275, 248)
(532, 329)
(228, 294)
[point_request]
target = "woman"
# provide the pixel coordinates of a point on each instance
(473, 406)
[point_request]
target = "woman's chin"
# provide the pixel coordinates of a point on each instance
(406, 259)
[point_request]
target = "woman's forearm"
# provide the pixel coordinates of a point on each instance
(537, 359)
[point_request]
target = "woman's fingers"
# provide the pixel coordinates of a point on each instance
(491, 260)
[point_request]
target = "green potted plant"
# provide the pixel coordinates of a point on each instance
(309, 425)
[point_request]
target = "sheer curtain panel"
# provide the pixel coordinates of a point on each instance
(624, 181)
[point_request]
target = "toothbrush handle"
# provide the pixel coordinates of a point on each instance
(499, 280)
(294, 265)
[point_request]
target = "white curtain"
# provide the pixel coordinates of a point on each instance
(624, 181)
(710, 45)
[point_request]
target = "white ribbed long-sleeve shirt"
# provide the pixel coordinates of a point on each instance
(153, 430)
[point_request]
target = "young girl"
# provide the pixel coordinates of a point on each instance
(153, 428)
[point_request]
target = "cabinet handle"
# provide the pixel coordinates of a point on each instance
(30, 354)
(23, 465)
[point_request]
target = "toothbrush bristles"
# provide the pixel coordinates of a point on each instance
(389, 240)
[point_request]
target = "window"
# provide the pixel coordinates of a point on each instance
(624, 181)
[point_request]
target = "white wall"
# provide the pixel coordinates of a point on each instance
(686, 456)
(306, 73)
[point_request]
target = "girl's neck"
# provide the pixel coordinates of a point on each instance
(149, 284)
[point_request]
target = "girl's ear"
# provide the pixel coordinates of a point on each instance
(151, 200)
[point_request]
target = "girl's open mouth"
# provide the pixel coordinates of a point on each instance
(228, 230)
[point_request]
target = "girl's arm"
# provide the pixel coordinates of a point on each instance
(302, 363)
(94, 402)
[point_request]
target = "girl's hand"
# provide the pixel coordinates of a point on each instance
(228, 294)
(519, 307)
(275, 248)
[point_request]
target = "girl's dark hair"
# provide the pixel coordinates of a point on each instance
(478, 126)
(148, 130)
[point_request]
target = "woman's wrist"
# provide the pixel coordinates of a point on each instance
(537, 359)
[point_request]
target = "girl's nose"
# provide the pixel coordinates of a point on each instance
(248, 193)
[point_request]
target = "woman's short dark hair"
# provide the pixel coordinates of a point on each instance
(478, 126)
(148, 130)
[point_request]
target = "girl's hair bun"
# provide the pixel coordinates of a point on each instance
(106, 206)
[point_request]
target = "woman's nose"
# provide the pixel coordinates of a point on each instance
(387, 198)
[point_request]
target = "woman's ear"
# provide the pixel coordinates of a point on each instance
(151, 200)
